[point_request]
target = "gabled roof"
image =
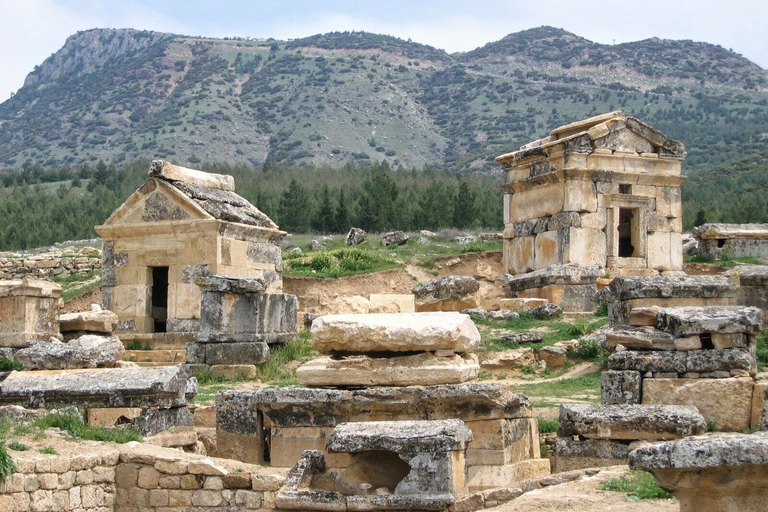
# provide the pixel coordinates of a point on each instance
(177, 193)
(612, 130)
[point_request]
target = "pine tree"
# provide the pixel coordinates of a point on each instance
(323, 221)
(464, 207)
(341, 218)
(294, 209)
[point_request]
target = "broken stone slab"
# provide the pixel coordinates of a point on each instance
(28, 311)
(632, 337)
(714, 231)
(569, 454)
(545, 311)
(507, 359)
(710, 473)
(621, 387)
(229, 353)
(683, 321)
(299, 407)
(568, 274)
(668, 286)
(448, 287)
(394, 238)
(103, 321)
(555, 357)
(630, 422)
(87, 351)
(394, 332)
(727, 402)
(504, 314)
(424, 369)
(225, 284)
(168, 171)
(683, 361)
(162, 386)
(524, 337)
(400, 436)
(644, 316)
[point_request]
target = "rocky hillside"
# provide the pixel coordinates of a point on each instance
(329, 99)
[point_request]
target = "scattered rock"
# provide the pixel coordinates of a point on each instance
(87, 351)
(465, 239)
(504, 314)
(356, 236)
(423, 241)
(545, 311)
(523, 337)
(554, 357)
(316, 245)
(448, 287)
(506, 359)
(425, 232)
(394, 238)
(293, 250)
(478, 312)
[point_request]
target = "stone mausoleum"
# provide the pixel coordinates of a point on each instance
(601, 192)
(180, 227)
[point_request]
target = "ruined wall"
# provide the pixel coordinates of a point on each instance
(46, 267)
(135, 478)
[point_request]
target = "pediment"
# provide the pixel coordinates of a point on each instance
(156, 201)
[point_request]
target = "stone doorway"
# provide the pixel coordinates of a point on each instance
(160, 298)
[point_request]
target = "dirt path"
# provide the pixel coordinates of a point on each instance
(583, 495)
(579, 370)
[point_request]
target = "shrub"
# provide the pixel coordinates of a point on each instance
(7, 466)
(17, 446)
(48, 450)
(547, 426)
(8, 365)
(640, 485)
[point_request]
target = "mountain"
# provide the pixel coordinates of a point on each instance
(116, 95)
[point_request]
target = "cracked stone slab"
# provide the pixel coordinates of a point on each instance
(398, 436)
(683, 321)
(707, 451)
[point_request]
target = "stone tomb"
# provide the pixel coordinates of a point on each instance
(733, 240)
(572, 286)
(29, 310)
(239, 321)
(753, 285)
(392, 349)
(180, 226)
(393, 465)
(713, 473)
(700, 356)
(275, 425)
(604, 191)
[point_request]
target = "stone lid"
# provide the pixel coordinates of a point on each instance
(29, 288)
(668, 286)
(707, 451)
(749, 275)
(400, 436)
(684, 321)
(394, 332)
(570, 273)
(217, 283)
(170, 172)
(730, 231)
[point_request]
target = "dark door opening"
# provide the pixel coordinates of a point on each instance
(160, 297)
(627, 223)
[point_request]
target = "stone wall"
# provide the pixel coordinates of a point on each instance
(133, 478)
(47, 266)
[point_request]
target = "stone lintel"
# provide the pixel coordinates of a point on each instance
(569, 273)
(400, 436)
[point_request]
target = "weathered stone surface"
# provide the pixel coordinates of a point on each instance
(423, 369)
(168, 171)
(164, 386)
(569, 455)
(644, 316)
(356, 236)
(294, 407)
(668, 286)
(394, 332)
(621, 387)
(448, 287)
(570, 273)
(682, 321)
(555, 357)
(682, 362)
(216, 283)
(523, 337)
(28, 311)
(545, 311)
(630, 422)
(633, 337)
(465, 239)
(394, 238)
(759, 416)
(400, 436)
(392, 303)
(103, 321)
(714, 231)
(506, 359)
(478, 312)
(87, 351)
(521, 304)
(710, 473)
(726, 402)
(236, 353)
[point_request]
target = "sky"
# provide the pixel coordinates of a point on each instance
(32, 30)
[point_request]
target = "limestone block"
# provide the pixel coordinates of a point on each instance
(676, 250)
(398, 303)
(668, 202)
(236, 353)
(586, 247)
(736, 340)
(28, 311)
(727, 402)
(632, 337)
(688, 343)
(506, 359)
(448, 305)
(488, 477)
(660, 251)
(521, 304)
(644, 316)
(594, 220)
(395, 332)
(519, 254)
(621, 387)
(580, 196)
(682, 321)
(630, 422)
(555, 357)
(710, 473)
(547, 249)
(759, 416)
(537, 202)
(172, 172)
(103, 321)
(86, 351)
(447, 287)
(234, 371)
(570, 455)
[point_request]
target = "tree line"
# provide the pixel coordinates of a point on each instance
(43, 205)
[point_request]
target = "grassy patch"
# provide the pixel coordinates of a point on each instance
(48, 450)
(17, 446)
(551, 331)
(762, 350)
(7, 466)
(278, 371)
(547, 426)
(8, 365)
(725, 260)
(346, 261)
(584, 389)
(637, 484)
(72, 423)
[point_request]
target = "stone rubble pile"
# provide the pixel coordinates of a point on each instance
(49, 265)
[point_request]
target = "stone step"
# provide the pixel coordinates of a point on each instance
(154, 364)
(159, 356)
